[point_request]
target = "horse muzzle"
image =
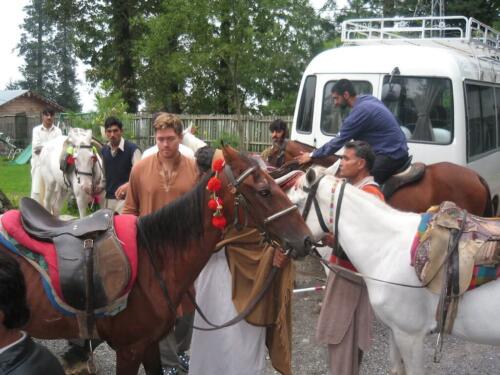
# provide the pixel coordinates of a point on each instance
(298, 249)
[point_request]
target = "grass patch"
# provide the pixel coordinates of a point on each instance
(15, 181)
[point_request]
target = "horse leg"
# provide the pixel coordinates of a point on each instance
(411, 348)
(396, 362)
(152, 360)
(128, 362)
(81, 203)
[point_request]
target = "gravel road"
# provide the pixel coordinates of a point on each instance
(459, 357)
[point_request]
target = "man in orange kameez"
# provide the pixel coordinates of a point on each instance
(154, 182)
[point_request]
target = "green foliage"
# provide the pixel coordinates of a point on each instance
(228, 139)
(226, 56)
(15, 181)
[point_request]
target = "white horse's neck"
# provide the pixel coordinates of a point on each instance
(372, 233)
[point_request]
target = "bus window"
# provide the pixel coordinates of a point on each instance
(423, 107)
(305, 115)
(331, 116)
(481, 120)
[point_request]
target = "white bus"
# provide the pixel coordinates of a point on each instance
(440, 76)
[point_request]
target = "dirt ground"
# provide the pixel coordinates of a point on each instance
(459, 357)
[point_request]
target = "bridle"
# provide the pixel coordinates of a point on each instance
(91, 174)
(311, 198)
(239, 200)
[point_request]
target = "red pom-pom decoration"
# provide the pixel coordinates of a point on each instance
(218, 165)
(212, 204)
(219, 222)
(70, 160)
(214, 184)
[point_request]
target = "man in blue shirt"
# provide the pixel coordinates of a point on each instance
(370, 121)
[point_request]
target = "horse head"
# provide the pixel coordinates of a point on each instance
(267, 204)
(87, 172)
(317, 183)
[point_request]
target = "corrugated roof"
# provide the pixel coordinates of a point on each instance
(8, 95)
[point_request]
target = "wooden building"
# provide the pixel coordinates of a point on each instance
(20, 111)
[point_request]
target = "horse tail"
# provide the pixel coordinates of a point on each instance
(488, 210)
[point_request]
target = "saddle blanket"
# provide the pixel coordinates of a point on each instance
(477, 248)
(43, 257)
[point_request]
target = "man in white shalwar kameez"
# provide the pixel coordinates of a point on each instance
(239, 349)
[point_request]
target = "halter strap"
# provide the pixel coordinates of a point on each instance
(311, 197)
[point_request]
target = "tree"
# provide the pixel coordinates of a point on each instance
(47, 46)
(107, 35)
(227, 56)
(36, 48)
(63, 12)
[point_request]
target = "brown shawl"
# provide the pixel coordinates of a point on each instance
(250, 262)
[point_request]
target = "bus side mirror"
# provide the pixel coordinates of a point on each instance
(391, 92)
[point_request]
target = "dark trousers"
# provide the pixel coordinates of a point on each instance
(384, 167)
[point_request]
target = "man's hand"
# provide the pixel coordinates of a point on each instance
(280, 260)
(328, 240)
(303, 158)
(121, 192)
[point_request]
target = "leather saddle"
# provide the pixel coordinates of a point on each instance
(93, 269)
(408, 173)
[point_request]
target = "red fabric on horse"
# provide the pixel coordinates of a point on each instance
(125, 228)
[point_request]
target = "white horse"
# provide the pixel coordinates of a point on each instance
(85, 178)
(190, 144)
(377, 240)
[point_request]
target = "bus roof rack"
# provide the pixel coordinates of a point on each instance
(458, 32)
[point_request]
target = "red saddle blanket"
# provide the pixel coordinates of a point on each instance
(125, 228)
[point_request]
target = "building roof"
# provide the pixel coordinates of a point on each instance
(9, 95)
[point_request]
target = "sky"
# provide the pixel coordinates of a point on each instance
(11, 19)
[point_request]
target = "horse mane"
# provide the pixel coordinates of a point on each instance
(177, 224)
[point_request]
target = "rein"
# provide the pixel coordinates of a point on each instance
(234, 182)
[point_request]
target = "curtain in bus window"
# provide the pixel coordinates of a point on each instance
(331, 116)
(474, 120)
(430, 90)
(497, 97)
(489, 133)
(306, 109)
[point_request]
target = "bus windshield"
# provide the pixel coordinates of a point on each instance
(423, 107)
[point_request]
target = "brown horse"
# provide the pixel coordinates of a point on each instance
(280, 156)
(181, 239)
(441, 182)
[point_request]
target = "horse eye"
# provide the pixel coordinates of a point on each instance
(265, 192)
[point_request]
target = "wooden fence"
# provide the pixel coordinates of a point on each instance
(210, 128)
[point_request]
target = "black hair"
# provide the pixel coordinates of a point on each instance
(342, 86)
(12, 293)
(279, 125)
(112, 120)
(364, 151)
(204, 158)
(48, 111)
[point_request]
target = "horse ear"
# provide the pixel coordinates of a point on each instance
(310, 176)
(229, 153)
